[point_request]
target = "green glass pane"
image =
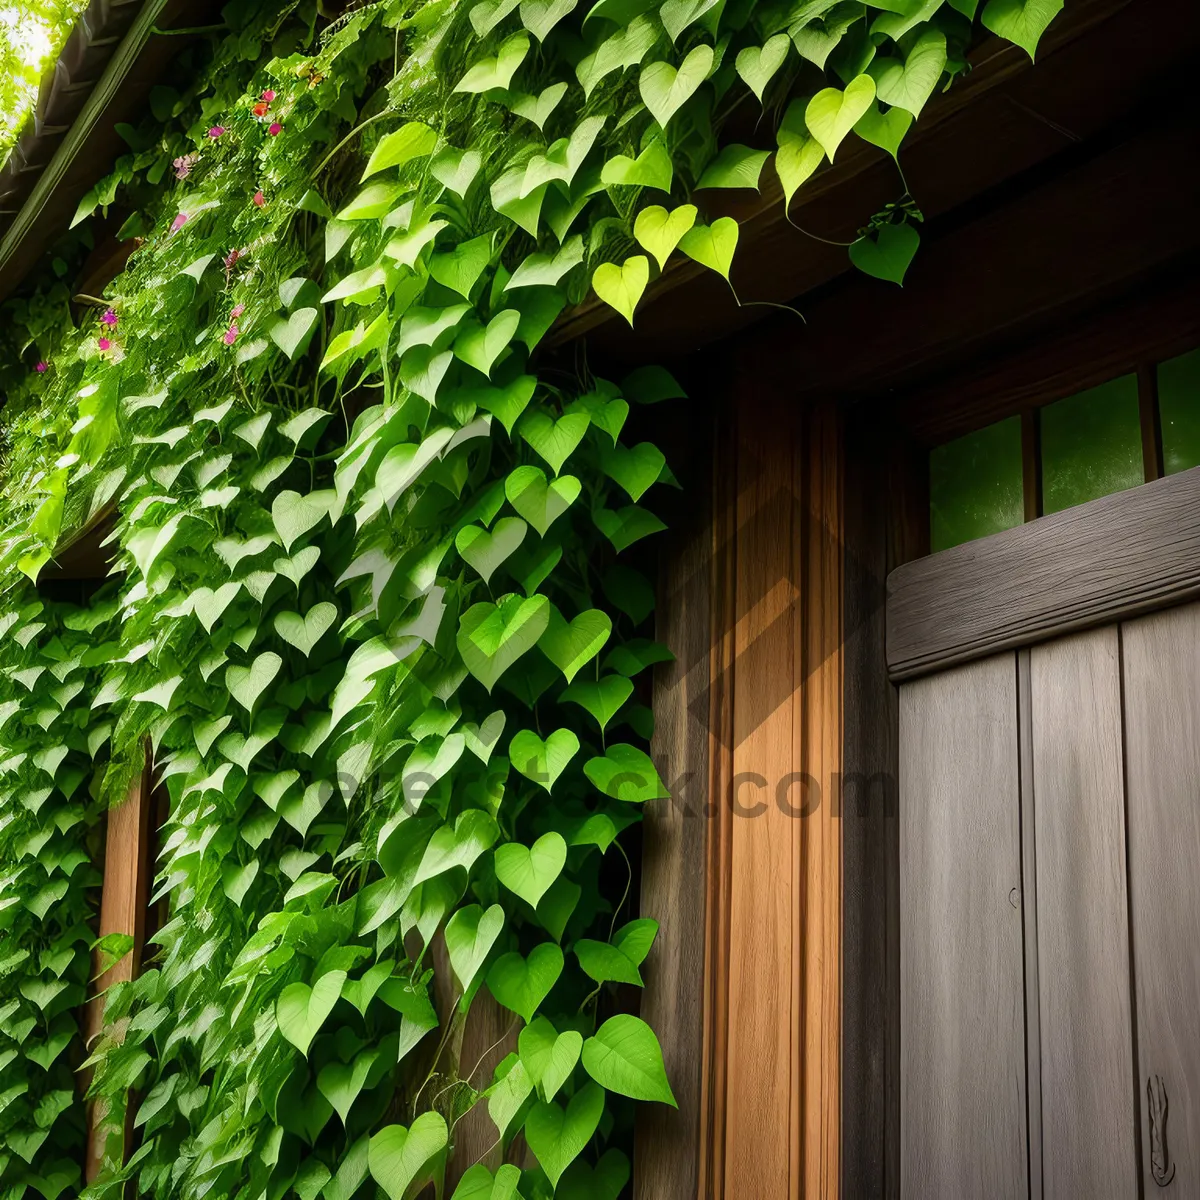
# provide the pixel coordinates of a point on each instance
(975, 485)
(1179, 406)
(1091, 445)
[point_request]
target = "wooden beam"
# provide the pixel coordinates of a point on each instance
(124, 905)
(1042, 580)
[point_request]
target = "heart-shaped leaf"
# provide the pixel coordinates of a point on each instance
(247, 684)
(570, 645)
(529, 871)
(605, 963)
(886, 253)
(635, 468)
(491, 637)
(626, 773)
(651, 169)
(735, 167)
(456, 169)
(556, 1137)
(665, 90)
(488, 14)
(539, 108)
(831, 113)
(555, 441)
(758, 66)
(295, 515)
(602, 697)
(658, 232)
(712, 246)
(480, 346)
(622, 287)
(340, 1083)
(1022, 22)
(521, 984)
(541, 16)
(460, 269)
(304, 632)
(481, 739)
(678, 15)
(486, 551)
(543, 761)
(412, 140)
(496, 72)
(884, 129)
(291, 334)
(470, 935)
(399, 1157)
(208, 604)
(909, 84)
(299, 565)
(539, 502)
(627, 525)
(301, 1010)
(625, 1058)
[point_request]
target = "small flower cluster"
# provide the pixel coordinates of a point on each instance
(109, 321)
(262, 110)
(230, 335)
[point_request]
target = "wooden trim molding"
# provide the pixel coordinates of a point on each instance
(124, 907)
(743, 866)
(1104, 561)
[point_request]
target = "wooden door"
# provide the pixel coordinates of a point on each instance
(1050, 918)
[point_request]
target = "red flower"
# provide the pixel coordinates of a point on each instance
(260, 109)
(104, 344)
(276, 129)
(109, 318)
(230, 335)
(42, 367)
(268, 95)
(259, 199)
(216, 131)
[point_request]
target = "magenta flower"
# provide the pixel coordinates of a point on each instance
(216, 131)
(179, 222)
(275, 129)
(238, 309)
(230, 335)
(104, 344)
(268, 95)
(183, 165)
(42, 367)
(109, 318)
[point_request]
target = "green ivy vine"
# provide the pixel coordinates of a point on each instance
(369, 608)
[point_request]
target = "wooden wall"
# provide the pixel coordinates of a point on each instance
(743, 866)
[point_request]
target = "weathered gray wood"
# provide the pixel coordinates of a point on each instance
(1088, 1118)
(1116, 557)
(675, 876)
(963, 1121)
(1162, 739)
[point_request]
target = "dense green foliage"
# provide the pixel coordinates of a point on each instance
(368, 608)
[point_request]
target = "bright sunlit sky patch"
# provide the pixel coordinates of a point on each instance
(31, 35)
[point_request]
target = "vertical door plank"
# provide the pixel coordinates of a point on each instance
(1162, 738)
(124, 903)
(963, 1120)
(1088, 1120)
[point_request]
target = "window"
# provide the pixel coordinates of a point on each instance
(1102, 440)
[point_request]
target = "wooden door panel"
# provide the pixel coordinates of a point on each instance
(1162, 732)
(963, 1115)
(1087, 1098)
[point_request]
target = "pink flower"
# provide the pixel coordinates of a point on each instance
(109, 318)
(276, 129)
(230, 335)
(179, 222)
(259, 199)
(42, 367)
(238, 309)
(268, 95)
(183, 165)
(104, 344)
(216, 131)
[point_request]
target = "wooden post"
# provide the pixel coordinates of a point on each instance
(128, 869)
